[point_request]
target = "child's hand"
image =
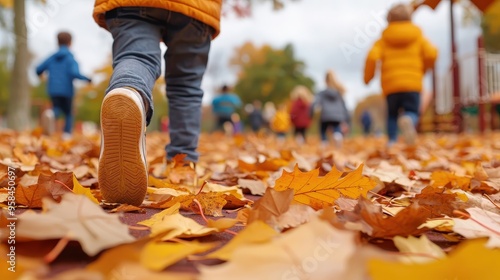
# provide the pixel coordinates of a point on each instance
(42, 77)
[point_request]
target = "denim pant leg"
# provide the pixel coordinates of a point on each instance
(392, 116)
(188, 45)
(63, 106)
(411, 105)
(136, 53)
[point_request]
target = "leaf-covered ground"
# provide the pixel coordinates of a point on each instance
(262, 209)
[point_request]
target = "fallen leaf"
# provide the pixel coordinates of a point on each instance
(255, 233)
(170, 224)
(271, 206)
(323, 191)
(437, 202)
(315, 250)
(29, 193)
(256, 187)
(423, 249)
(405, 223)
(79, 189)
(470, 260)
(160, 255)
(57, 184)
(482, 223)
(77, 218)
(450, 180)
(125, 208)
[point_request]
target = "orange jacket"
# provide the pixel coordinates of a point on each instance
(206, 11)
(281, 122)
(405, 55)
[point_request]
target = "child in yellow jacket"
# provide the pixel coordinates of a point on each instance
(281, 123)
(405, 54)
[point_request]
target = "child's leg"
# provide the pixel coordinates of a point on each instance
(411, 105)
(323, 127)
(136, 53)
(392, 116)
(188, 45)
(67, 109)
(127, 106)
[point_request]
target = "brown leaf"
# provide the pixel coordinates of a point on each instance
(271, 206)
(29, 193)
(437, 202)
(57, 183)
(405, 223)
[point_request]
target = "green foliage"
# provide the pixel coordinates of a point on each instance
(268, 74)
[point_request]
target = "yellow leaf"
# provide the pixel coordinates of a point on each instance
(449, 180)
(316, 191)
(470, 260)
(158, 217)
(169, 224)
(79, 189)
(222, 224)
(255, 233)
(159, 255)
(421, 246)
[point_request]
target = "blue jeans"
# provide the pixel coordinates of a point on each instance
(137, 33)
(323, 128)
(409, 103)
(62, 105)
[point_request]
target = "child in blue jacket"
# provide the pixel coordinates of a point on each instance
(62, 69)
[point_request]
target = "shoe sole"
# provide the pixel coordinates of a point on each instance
(408, 130)
(122, 169)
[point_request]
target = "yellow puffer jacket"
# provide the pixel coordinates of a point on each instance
(281, 122)
(405, 55)
(206, 11)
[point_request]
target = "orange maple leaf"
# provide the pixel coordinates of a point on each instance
(316, 191)
(450, 180)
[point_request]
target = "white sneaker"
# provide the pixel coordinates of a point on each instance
(408, 130)
(338, 139)
(48, 122)
(123, 174)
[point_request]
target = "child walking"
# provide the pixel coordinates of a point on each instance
(62, 69)
(405, 55)
(301, 98)
(138, 26)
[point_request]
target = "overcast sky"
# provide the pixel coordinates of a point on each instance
(326, 34)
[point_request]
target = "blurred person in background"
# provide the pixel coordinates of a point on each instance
(301, 99)
(255, 118)
(334, 114)
(223, 106)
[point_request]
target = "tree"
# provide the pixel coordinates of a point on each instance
(19, 104)
(4, 80)
(491, 28)
(267, 74)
